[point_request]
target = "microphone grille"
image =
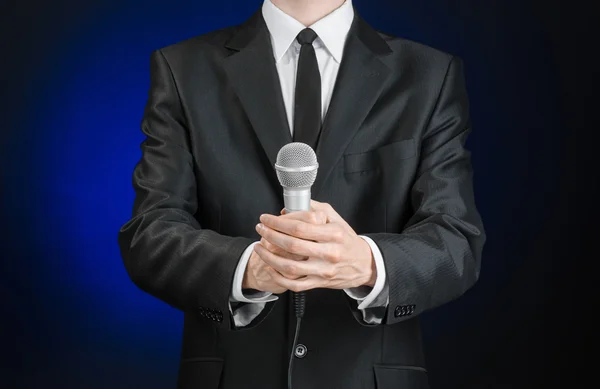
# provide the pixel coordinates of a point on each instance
(296, 155)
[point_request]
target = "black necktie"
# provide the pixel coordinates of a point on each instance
(307, 103)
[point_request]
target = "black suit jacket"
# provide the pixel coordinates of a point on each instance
(392, 163)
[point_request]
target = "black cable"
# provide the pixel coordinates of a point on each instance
(299, 305)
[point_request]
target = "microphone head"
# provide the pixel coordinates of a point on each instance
(296, 165)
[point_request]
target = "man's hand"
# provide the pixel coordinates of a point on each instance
(314, 249)
(260, 276)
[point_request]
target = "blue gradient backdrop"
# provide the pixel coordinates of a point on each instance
(75, 82)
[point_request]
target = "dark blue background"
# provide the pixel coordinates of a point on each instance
(74, 83)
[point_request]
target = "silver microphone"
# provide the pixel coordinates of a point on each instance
(296, 168)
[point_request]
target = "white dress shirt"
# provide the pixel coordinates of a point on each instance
(332, 31)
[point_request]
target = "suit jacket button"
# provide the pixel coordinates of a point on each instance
(300, 351)
(397, 311)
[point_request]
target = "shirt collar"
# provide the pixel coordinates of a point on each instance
(332, 29)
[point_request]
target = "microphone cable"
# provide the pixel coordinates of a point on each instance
(299, 306)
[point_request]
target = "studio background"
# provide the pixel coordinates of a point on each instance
(75, 78)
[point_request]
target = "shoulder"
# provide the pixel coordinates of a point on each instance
(411, 47)
(419, 60)
(416, 50)
(208, 45)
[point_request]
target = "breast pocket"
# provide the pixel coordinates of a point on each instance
(407, 377)
(374, 159)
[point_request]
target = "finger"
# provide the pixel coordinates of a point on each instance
(312, 217)
(289, 243)
(281, 252)
(288, 267)
(299, 285)
(284, 212)
(332, 215)
(270, 285)
(302, 230)
(327, 209)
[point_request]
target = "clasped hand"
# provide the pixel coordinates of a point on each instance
(306, 250)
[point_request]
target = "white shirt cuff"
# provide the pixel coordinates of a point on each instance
(236, 291)
(378, 296)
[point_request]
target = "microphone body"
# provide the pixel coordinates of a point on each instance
(296, 199)
(296, 169)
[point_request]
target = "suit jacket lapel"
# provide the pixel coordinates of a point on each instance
(360, 80)
(252, 72)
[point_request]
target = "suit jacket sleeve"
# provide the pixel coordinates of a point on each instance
(437, 256)
(165, 250)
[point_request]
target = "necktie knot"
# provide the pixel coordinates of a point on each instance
(306, 36)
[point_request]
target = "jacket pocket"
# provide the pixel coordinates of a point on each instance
(197, 373)
(396, 377)
(360, 162)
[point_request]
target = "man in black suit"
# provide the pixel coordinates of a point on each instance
(394, 231)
